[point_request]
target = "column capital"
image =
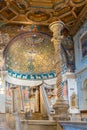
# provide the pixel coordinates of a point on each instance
(56, 28)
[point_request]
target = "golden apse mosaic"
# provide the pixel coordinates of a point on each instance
(31, 53)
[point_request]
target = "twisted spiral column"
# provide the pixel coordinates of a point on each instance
(56, 28)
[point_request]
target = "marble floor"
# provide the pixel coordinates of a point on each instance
(12, 122)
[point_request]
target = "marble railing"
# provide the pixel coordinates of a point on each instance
(45, 101)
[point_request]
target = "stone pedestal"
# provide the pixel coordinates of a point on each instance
(61, 110)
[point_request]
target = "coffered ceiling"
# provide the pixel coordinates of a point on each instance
(72, 12)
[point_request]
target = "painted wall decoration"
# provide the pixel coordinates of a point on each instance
(28, 99)
(68, 50)
(2, 97)
(8, 97)
(27, 96)
(65, 90)
(63, 61)
(13, 30)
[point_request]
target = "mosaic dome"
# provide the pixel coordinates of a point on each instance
(30, 53)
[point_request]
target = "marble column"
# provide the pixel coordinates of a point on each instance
(14, 99)
(60, 106)
(16, 106)
(17, 100)
(37, 100)
(1, 62)
(56, 28)
(21, 100)
(2, 83)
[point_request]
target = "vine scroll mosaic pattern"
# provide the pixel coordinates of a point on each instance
(31, 54)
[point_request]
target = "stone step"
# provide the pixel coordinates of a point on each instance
(37, 116)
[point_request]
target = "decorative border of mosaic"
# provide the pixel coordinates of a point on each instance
(42, 76)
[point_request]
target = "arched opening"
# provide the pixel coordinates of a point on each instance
(84, 45)
(85, 95)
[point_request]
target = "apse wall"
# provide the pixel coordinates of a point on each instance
(29, 53)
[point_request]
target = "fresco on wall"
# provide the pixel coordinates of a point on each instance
(28, 99)
(65, 90)
(2, 97)
(13, 30)
(8, 98)
(27, 96)
(68, 50)
(63, 61)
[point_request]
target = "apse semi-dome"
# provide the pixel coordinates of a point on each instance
(30, 55)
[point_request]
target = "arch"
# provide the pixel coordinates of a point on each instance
(17, 36)
(84, 93)
(85, 84)
(37, 43)
(83, 44)
(83, 81)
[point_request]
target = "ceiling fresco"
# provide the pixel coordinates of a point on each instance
(30, 53)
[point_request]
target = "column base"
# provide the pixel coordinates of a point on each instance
(61, 110)
(75, 114)
(74, 110)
